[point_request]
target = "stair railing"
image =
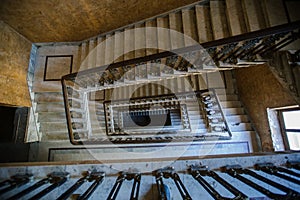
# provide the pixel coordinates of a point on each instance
(226, 53)
(211, 107)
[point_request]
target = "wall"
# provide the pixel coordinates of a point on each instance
(259, 89)
(14, 59)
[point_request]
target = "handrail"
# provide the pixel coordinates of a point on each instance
(220, 50)
(284, 28)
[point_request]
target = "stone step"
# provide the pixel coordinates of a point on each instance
(40, 97)
(55, 136)
(175, 22)
(189, 28)
(228, 97)
(274, 11)
(231, 104)
(237, 118)
(222, 91)
(197, 123)
(234, 127)
(47, 127)
(203, 23)
(235, 17)
(233, 111)
(50, 107)
(46, 87)
(194, 112)
(255, 19)
(218, 19)
(51, 117)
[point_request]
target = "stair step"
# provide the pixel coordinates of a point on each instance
(48, 97)
(240, 127)
(203, 23)
(47, 127)
(255, 16)
(222, 91)
(231, 104)
(228, 97)
(51, 117)
(50, 107)
(55, 136)
(236, 19)
(40, 86)
(233, 111)
(175, 21)
(197, 123)
(237, 118)
(218, 19)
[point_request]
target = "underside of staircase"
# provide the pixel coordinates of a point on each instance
(112, 68)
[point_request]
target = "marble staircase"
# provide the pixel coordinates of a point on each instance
(198, 23)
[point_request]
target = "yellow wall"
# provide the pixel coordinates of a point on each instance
(14, 60)
(259, 89)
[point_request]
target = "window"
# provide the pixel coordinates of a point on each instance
(291, 128)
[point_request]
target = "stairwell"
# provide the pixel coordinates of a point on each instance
(202, 22)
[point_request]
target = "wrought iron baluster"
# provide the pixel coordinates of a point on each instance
(15, 182)
(268, 41)
(248, 46)
(183, 191)
(236, 170)
(97, 178)
(30, 189)
(293, 38)
(227, 49)
(271, 169)
(287, 171)
(57, 179)
(289, 192)
(136, 186)
(232, 57)
(293, 164)
(238, 194)
(196, 174)
(4, 183)
(279, 45)
(126, 176)
(168, 172)
(160, 186)
(199, 171)
(74, 187)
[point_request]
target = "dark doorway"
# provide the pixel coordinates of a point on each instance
(13, 123)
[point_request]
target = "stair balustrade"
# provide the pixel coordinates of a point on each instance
(186, 181)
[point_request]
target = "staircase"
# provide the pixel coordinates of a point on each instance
(202, 22)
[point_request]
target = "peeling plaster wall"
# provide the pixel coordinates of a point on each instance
(14, 59)
(259, 89)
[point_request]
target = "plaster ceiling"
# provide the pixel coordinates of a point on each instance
(75, 20)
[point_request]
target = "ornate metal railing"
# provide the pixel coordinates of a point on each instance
(261, 181)
(225, 52)
(246, 49)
